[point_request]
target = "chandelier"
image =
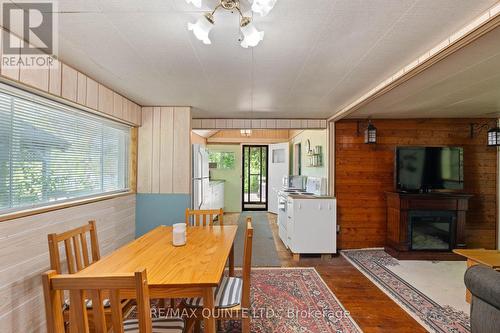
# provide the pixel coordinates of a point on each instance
(251, 36)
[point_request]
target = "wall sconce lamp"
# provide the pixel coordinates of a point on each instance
(370, 132)
(493, 133)
(494, 137)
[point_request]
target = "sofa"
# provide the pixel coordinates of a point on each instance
(484, 285)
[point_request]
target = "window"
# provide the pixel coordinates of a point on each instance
(223, 160)
(279, 156)
(50, 152)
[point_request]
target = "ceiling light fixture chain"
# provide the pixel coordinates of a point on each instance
(251, 36)
(252, 79)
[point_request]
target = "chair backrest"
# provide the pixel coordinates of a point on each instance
(76, 248)
(247, 264)
(204, 217)
(96, 288)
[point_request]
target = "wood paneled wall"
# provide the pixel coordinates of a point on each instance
(64, 82)
(198, 139)
(165, 150)
(258, 136)
(24, 255)
(364, 172)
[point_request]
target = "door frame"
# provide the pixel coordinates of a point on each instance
(243, 179)
(297, 158)
(275, 178)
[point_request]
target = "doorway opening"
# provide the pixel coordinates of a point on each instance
(254, 178)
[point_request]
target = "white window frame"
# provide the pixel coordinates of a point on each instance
(48, 102)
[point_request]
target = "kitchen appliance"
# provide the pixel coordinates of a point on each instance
(294, 182)
(317, 186)
(307, 218)
(282, 206)
(311, 226)
(201, 179)
(291, 184)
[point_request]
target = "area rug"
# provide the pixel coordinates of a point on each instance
(292, 300)
(264, 252)
(389, 275)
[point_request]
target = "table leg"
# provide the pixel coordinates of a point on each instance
(468, 295)
(209, 310)
(231, 261)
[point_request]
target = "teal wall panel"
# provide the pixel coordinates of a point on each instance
(153, 210)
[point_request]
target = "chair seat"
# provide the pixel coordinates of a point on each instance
(88, 303)
(160, 325)
(227, 294)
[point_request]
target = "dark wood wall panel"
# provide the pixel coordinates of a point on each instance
(364, 172)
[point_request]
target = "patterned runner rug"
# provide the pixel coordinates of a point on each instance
(293, 300)
(380, 268)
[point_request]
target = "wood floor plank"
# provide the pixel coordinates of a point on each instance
(370, 307)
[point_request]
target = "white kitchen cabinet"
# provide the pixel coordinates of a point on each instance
(311, 225)
(216, 197)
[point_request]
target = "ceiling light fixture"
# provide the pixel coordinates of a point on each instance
(196, 3)
(251, 36)
(246, 132)
(263, 7)
(202, 28)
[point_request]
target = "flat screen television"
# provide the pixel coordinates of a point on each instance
(429, 168)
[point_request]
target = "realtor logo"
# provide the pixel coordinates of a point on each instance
(29, 35)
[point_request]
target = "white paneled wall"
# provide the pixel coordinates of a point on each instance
(23, 242)
(65, 82)
(24, 255)
(259, 123)
(164, 161)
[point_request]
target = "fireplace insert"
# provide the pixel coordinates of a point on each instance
(432, 230)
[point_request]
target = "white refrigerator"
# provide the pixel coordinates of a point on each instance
(201, 182)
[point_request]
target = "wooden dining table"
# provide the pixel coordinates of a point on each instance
(192, 270)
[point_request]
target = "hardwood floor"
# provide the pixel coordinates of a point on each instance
(373, 310)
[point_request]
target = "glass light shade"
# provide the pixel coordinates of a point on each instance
(371, 134)
(263, 7)
(196, 3)
(494, 137)
(252, 36)
(201, 29)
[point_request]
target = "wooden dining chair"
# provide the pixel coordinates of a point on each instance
(54, 284)
(77, 242)
(76, 248)
(232, 296)
(204, 217)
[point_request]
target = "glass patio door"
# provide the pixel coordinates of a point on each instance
(254, 178)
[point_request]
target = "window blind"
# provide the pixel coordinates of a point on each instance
(50, 152)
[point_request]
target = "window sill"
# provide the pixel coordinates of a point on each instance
(64, 205)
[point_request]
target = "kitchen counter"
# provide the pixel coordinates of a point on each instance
(216, 181)
(302, 196)
(215, 194)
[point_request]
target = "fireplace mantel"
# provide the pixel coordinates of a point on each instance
(399, 207)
